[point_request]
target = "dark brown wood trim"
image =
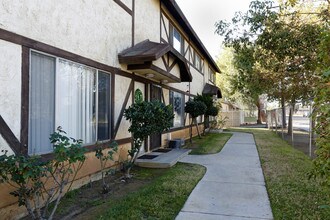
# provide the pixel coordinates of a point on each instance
(199, 71)
(32, 44)
(145, 65)
(123, 6)
(36, 45)
(146, 91)
(166, 31)
(174, 89)
(25, 100)
(133, 92)
(112, 105)
(163, 97)
(133, 22)
(179, 128)
(172, 65)
(165, 63)
(149, 65)
(90, 148)
(162, 40)
(120, 117)
(9, 137)
(170, 39)
(163, 72)
(192, 55)
(187, 49)
(119, 142)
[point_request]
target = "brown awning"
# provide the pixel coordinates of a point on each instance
(141, 56)
(212, 90)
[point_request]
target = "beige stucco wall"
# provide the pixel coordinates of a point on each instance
(121, 88)
(166, 94)
(147, 18)
(10, 88)
(165, 28)
(197, 85)
(160, 63)
(128, 3)
(94, 29)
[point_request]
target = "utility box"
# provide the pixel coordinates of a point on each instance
(176, 143)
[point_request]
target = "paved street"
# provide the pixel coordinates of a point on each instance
(300, 122)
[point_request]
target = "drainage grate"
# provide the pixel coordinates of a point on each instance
(162, 150)
(149, 157)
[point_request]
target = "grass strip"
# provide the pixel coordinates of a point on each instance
(292, 194)
(209, 144)
(161, 199)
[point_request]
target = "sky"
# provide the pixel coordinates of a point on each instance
(203, 14)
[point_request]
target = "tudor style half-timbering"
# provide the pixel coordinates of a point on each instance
(76, 64)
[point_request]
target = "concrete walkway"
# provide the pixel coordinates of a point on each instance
(233, 187)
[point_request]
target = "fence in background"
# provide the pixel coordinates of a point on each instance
(233, 118)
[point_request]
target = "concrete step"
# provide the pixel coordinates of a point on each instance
(163, 159)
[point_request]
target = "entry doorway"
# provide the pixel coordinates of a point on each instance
(155, 94)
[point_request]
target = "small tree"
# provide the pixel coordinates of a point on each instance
(146, 118)
(29, 176)
(195, 108)
(105, 153)
(211, 110)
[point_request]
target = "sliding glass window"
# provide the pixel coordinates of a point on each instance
(67, 94)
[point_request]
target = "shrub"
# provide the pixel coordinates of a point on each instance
(146, 118)
(30, 175)
(195, 108)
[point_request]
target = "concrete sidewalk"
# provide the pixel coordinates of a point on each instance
(233, 187)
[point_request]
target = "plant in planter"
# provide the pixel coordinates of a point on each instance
(146, 118)
(37, 183)
(194, 108)
(105, 153)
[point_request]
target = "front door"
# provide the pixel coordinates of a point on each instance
(155, 94)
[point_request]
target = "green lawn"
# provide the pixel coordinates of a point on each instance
(150, 194)
(292, 194)
(250, 119)
(208, 144)
(162, 199)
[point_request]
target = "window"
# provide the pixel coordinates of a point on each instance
(197, 62)
(177, 101)
(70, 95)
(177, 40)
(211, 75)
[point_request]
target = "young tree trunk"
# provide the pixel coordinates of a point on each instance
(191, 125)
(290, 122)
(290, 126)
(259, 111)
(204, 127)
(283, 112)
(195, 121)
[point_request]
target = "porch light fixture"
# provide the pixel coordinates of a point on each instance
(150, 75)
(164, 81)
